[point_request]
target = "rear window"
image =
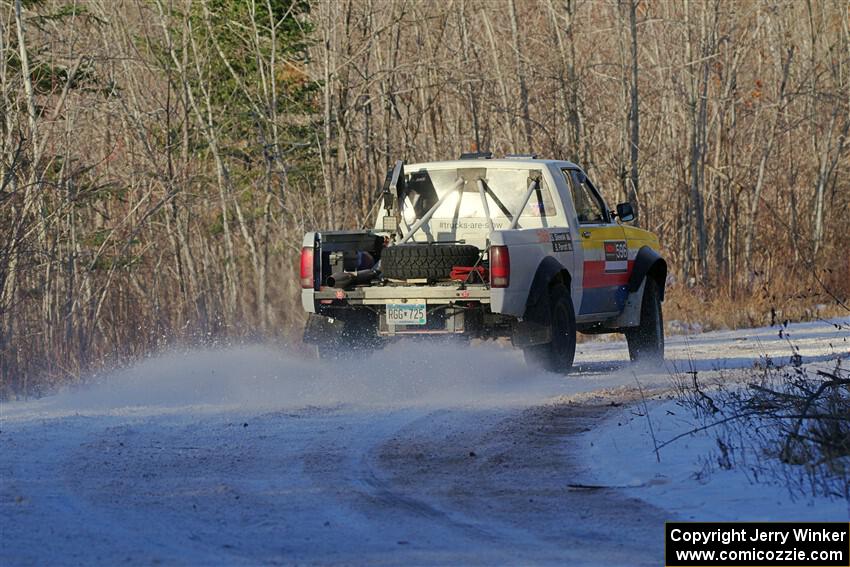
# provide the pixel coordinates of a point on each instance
(505, 190)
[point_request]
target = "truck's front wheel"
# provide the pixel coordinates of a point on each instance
(559, 354)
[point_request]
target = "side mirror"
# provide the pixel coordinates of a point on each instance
(625, 212)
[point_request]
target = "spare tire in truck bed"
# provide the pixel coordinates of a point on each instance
(426, 261)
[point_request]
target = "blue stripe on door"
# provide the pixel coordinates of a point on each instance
(603, 299)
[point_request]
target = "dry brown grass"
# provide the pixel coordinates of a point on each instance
(792, 299)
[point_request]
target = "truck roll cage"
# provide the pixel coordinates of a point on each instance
(396, 179)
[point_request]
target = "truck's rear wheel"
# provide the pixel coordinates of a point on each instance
(646, 342)
(559, 354)
(426, 261)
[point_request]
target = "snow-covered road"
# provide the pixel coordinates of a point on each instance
(437, 455)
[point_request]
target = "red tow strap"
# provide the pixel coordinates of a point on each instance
(464, 274)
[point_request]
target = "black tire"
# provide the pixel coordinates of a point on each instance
(646, 342)
(426, 261)
(559, 354)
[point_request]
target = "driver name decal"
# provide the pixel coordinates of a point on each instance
(561, 242)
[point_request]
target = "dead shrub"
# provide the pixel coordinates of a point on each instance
(789, 424)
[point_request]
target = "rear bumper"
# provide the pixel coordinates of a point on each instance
(452, 309)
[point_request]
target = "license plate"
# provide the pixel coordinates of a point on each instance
(411, 313)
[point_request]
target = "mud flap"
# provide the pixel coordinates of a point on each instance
(630, 316)
(528, 333)
(321, 329)
(535, 328)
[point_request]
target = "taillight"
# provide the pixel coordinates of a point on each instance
(500, 266)
(307, 267)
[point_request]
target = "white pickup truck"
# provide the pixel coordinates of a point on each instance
(519, 247)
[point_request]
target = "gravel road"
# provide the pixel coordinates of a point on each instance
(445, 455)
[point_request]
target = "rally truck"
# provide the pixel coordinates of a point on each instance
(517, 248)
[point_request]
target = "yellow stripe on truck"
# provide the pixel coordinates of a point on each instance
(601, 233)
(636, 237)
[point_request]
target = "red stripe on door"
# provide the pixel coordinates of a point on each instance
(596, 276)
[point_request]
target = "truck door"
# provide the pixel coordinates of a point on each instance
(604, 251)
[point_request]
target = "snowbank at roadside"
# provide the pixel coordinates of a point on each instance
(688, 481)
